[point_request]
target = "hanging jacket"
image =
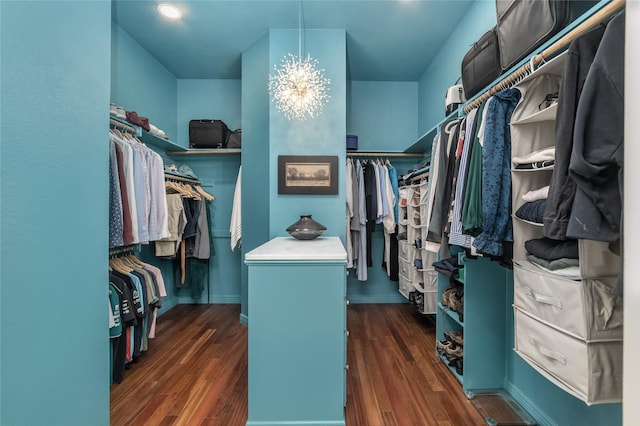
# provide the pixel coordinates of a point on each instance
(496, 174)
(562, 188)
(598, 143)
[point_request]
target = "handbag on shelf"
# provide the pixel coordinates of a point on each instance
(234, 139)
(205, 133)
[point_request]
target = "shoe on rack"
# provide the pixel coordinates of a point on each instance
(455, 337)
(457, 364)
(419, 301)
(442, 345)
(453, 351)
(456, 302)
(412, 297)
(444, 298)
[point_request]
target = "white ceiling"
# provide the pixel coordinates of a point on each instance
(387, 40)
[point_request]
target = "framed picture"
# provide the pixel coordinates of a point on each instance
(307, 174)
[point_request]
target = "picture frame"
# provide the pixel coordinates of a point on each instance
(308, 174)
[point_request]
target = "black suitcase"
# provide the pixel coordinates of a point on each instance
(524, 25)
(207, 134)
(481, 64)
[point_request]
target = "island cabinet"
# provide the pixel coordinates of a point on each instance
(297, 332)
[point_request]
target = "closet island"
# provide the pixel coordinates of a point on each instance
(297, 332)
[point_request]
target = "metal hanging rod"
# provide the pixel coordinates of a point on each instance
(123, 126)
(593, 21)
(169, 176)
(384, 154)
(116, 251)
(205, 152)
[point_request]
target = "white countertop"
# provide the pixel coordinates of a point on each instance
(289, 248)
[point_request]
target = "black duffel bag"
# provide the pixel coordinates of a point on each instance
(208, 134)
(481, 64)
(525, 25)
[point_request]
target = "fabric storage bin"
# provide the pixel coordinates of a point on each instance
(404, 285)
(429, 298)
(588, 309)
(430, 280)
(407, 269)
(596, 259)
(413, 233)
(589, 370)
(428, 257)
(352, 142)
(405, 250)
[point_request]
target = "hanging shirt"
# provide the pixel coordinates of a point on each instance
(393, 178)
(115, 202)
(349, 212)
(456, 237)
(362, 248)
(235, 227)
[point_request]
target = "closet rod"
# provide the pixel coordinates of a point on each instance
(169, 176)
(418, 177)
(115, 123)
(122, 250)
(206, 152)
(594, 20)
(384, 154)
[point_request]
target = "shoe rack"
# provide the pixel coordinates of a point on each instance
(480, 321)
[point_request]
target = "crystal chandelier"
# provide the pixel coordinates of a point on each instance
(298, 87)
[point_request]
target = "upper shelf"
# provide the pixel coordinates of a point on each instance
(146, 137)
(151, 139)
(423, 144)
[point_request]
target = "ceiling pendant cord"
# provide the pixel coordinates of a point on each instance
(300, 31)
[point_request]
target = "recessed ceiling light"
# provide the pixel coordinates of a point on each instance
(170, 11)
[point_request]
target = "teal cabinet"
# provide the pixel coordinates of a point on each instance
(297, 344)
(482, 323)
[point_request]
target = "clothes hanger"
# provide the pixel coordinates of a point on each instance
(117, 264)
(134, 260)
(178, 189)
(192, 192)
(204, 193)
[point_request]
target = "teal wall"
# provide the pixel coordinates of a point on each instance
(212, 99)
(140, 83)
(255, 154)
(383, 114)
(54, 210)
(444, 69)
(322, 135)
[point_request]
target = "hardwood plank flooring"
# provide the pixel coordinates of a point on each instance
(195, 372)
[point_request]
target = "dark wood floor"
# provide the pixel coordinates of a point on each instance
(195, 372)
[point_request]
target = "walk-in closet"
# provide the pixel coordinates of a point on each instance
(471, 267)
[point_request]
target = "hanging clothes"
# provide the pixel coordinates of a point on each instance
(562, 188)
(456, 236)
(496, 175)
(598, 151)
(235, 227)
(136, 289)
(137, 180)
